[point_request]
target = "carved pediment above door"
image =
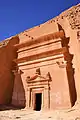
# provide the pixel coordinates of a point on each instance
(37, 77)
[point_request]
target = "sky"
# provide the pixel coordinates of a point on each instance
(19, 15)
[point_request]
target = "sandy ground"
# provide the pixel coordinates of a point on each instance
(24, 114)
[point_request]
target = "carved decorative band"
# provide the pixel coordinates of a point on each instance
(39, 45)
(41, 55)
(29, 82)
(41, 60)
(47, 37)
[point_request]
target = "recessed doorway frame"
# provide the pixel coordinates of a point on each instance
(38, 101)
(32, 94)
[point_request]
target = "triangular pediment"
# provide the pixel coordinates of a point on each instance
(37, 78)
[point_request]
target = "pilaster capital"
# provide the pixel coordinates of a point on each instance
(17, 71)
(62, 64)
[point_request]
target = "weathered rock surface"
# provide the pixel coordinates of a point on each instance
(73, 16)
(23, 114)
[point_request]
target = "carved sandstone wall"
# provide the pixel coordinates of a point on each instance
(69, 22)
(7, 54)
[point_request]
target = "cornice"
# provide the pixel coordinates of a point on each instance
(56, 35)
(41, 55)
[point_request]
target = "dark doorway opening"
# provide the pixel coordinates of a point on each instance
(38, 101)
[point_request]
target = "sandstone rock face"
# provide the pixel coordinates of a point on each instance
(7, 54)
(45, 62)
(73, 16)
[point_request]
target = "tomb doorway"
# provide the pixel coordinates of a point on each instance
(38, 101)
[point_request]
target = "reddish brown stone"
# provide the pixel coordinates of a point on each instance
(42, 67)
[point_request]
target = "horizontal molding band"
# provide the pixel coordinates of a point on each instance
(31, 85)
(41, 55)
(38, 66)
(47, 37)
(39, 45)
(36, 81)
(40, 60)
